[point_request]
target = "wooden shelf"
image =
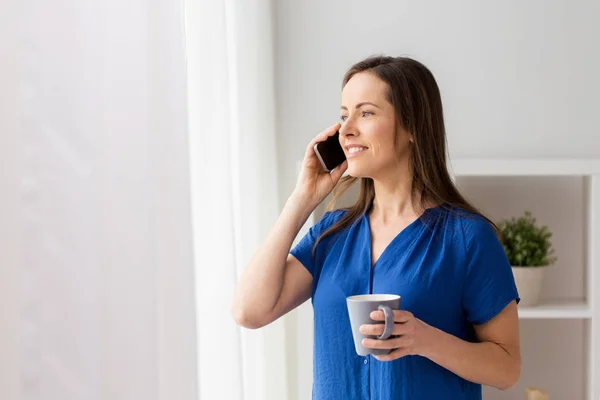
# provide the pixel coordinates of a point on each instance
(521, 167)
(557, 310)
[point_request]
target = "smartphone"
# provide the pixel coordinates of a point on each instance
(330, 152)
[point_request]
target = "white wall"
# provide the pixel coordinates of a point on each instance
(517, 78)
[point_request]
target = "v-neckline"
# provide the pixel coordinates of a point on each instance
(405, 231)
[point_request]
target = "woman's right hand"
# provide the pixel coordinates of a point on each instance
(314, 183)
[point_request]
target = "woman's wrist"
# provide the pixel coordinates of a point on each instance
(300, 206)
(435, 339)
(302, 201)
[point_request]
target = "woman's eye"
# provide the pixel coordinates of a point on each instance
(343, 118)
(366, 113)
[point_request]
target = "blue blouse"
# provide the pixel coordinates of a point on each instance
(450, 270)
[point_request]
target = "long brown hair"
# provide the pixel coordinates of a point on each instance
(415, 95)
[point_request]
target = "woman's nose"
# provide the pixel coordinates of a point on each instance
(347, 129)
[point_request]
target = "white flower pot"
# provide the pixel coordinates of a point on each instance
(529, 283)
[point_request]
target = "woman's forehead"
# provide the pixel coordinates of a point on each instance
(364, 87)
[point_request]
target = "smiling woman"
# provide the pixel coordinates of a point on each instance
(374, 119)
(411, 234)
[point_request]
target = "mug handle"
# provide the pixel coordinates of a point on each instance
(389, 322)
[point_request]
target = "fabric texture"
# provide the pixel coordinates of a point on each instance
(450, 270)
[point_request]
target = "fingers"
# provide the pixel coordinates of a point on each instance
(400, 316)
(394, 355)
(337, 173)
(321, 137)
(328, 132)
(392, 343)
(377, 329)
(401, 327)
(402, 338)
(373, 330)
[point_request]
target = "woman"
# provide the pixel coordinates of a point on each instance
(410, 233)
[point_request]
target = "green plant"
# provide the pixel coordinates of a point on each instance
(525, 243)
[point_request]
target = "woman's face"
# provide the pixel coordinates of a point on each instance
(368, 128)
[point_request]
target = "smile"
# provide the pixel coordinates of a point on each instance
(354, 150)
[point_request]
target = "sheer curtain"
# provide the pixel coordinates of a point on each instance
(9, 375)
(234, 192)
(96, 298)
(114, 204)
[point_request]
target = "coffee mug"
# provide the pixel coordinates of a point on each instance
(360, 308)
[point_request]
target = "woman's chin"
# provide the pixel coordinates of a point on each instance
(356, 171)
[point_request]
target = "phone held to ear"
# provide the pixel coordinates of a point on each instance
(330, 152)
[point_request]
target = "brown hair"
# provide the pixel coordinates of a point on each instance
(414, 93)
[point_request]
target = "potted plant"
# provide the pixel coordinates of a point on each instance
(529, 251)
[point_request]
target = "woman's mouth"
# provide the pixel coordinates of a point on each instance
(355, 150)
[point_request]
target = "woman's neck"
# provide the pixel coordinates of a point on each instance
(394, 199)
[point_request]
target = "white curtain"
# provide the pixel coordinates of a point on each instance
(96, 262)
(233, 164)
(9, 378)
(113, 208)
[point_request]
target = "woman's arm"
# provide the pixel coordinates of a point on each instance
(494, 361)
(274, 282)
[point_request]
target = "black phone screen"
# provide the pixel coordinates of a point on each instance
(330, 152)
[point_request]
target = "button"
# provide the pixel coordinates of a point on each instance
(366, 361)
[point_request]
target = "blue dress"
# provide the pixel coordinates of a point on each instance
(451, 272)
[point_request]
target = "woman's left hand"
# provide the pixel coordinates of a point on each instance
(414, 335)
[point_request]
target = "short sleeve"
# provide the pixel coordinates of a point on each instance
(490, 284)
(303, 251)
